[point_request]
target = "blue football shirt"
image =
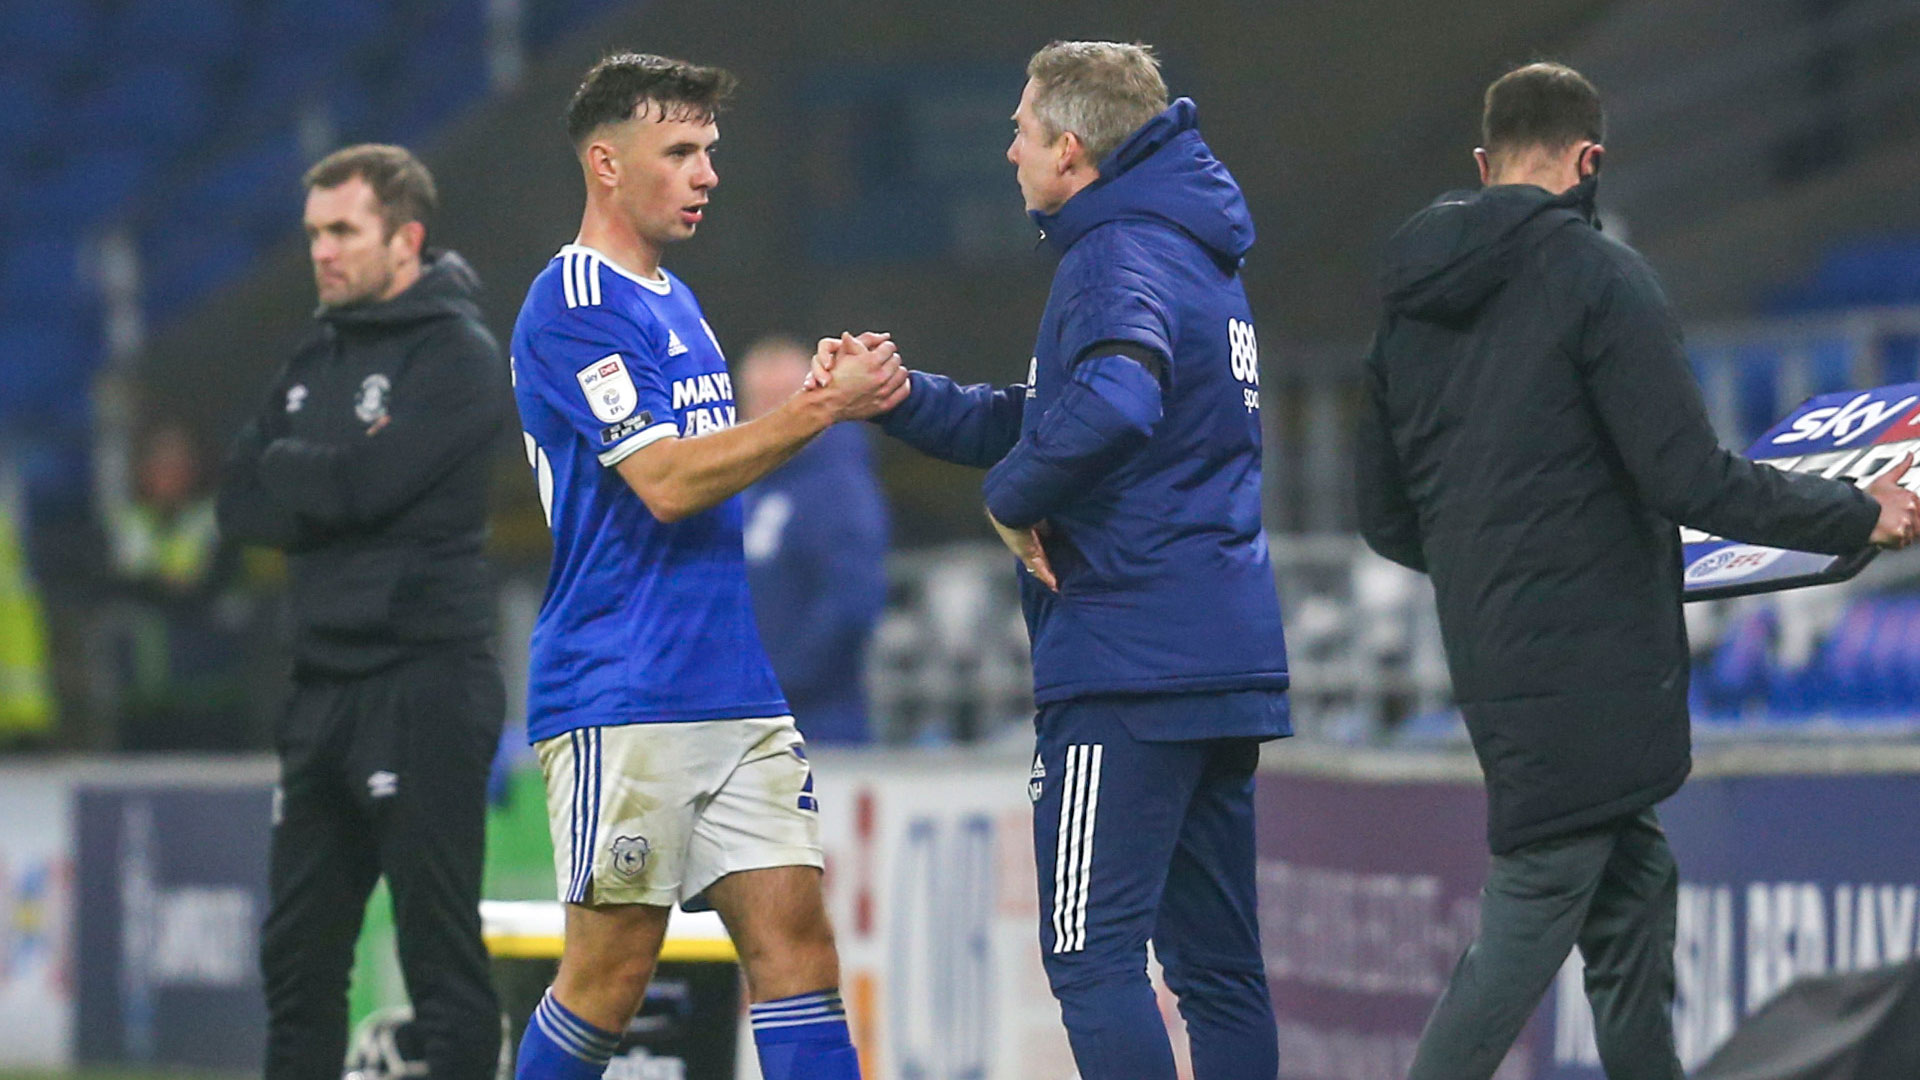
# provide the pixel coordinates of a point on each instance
(644, 621)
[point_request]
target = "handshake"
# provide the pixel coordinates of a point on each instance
(856, 377)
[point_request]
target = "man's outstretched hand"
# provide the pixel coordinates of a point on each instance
(1899, 508)
(1026, 546)
(827, 355)
(857, 378)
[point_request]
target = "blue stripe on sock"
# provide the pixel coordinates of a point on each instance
(572, 1034)
(805, 1009)
(838, 1020)
(800, 1001)
(579, 1030)
(565, 1042)
(821, 1008)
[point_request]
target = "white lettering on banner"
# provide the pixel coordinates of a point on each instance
(203, 936)
(1844, 422)
(637, 1064)
(942, 1005)
(1573, 1039)
(1372, 933)
(1786, 937)
(185, 935)
(1792, 929)
(1705, 1007)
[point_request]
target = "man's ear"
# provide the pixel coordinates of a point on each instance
(413, 237)
(602, 165)
(1072, 151)
(1591, 159)
(1485, 163)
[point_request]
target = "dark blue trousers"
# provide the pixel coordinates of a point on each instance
(1139, 841)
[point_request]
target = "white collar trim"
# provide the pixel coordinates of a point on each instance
(661, 285)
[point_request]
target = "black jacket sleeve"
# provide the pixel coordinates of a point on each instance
(248, 513)
(1637, 376)
(448, 403)
(1388, 520)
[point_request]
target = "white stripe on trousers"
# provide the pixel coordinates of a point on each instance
(1073, 846)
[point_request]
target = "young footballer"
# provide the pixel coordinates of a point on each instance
(674, 772)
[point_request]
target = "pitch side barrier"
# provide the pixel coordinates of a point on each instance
(1795, 860)
(132, 893)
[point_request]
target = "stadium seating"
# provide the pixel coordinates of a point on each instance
(1863, 677)
(200, 115)
(1880, 271)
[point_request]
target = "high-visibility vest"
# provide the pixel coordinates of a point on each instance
(26, 693)
(176, 551)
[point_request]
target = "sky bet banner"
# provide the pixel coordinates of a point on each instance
(1852, 435)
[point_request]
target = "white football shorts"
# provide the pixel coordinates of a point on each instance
(655, 813)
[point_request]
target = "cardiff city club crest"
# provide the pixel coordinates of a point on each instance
(1854, 435)
(630, 855)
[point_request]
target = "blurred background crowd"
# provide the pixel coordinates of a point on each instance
(152, 277)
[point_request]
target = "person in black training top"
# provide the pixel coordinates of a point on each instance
(1534, 437)
(368, 463)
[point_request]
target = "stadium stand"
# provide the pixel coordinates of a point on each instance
(201, 116)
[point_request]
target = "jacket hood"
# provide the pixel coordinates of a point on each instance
(447, 286)
(1163, 172)
(1449, 258)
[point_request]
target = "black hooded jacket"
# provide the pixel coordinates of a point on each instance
(1534, 436)
(369, 464)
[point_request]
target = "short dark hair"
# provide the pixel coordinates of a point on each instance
(1544, 105)
(401, 184)
(619, 84)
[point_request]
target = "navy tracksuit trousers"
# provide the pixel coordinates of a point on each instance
(1139, 841)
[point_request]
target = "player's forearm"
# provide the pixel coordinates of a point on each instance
(678, 478)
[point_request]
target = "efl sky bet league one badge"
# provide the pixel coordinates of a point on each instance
(630, 855)
(609, 389)
(1854, 435)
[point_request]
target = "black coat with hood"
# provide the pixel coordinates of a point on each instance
(369, 463)
(1534, 436)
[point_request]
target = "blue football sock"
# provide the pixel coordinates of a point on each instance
(804, 1038)
(560, 1046)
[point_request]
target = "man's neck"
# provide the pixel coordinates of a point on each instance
(612, 237)
(1553, 175)
(1079, 180)
(403, 279)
